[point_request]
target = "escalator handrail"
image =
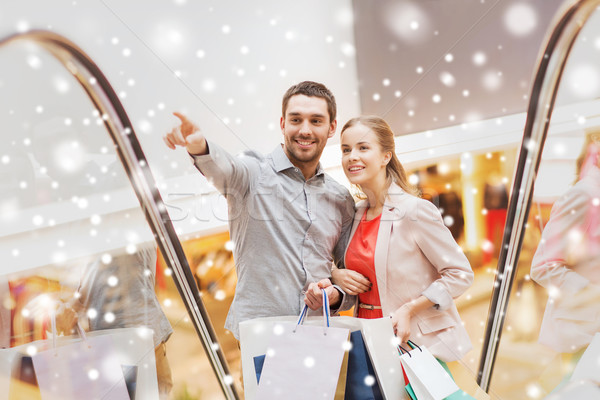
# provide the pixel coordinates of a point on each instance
(559, 41)
(121, 131)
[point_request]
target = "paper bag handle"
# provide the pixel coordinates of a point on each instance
(80, 330)
(413, 345)
(325, 313)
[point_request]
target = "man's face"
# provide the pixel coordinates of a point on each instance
(306, 128)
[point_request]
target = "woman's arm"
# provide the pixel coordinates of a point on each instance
(351, 282)
(563, 240)
(443, 253)
(402, 316)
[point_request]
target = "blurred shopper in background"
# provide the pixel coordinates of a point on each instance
(567, 262)
(118, 292)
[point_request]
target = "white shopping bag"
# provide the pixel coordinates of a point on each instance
(588, 366)
(382, 346)
(132, 346)
(378, 336)
(576, 390)
(429, 380)
(303, 362)
(88, 369)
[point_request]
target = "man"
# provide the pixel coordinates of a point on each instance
(288, 219)
(120, 293)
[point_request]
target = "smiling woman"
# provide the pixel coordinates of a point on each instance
(401, 259)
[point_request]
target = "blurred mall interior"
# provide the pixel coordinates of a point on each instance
(454, 90)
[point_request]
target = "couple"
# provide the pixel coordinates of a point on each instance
(291, 223)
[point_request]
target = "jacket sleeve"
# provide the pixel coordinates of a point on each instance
(561, 240)
(347, 221)
(229, 174)
(348, 301)
(444, 254)
(339, 251)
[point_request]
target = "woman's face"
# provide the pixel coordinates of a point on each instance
(363, 160)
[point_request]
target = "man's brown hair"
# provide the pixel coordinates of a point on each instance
(311, 89)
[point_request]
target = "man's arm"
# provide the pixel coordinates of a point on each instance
(230, 175)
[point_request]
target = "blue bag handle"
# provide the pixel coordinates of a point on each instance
(326, 315)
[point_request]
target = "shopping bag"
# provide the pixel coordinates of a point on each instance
(588, 366)
(407, 386)
(23, 383)
(576, 390)
(357, 376)
(133, 346)
(378, 336)
(86, 369)
(381, 344)
(428, 379)
(303, 362)
(340, 392)
(361, 380)
(479, 394)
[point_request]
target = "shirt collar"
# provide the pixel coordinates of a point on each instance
(282, 162)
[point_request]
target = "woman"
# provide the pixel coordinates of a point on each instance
(401, 259)
(567, 261)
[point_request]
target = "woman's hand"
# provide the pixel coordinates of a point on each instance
(350, 281)
(401, 323)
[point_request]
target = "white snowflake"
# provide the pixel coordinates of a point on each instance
(520, 19)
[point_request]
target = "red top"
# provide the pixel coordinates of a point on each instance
(360, 257)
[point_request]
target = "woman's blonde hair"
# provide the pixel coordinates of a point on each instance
(589, 149)
(385, 138)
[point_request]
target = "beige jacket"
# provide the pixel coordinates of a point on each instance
(567, 263)
(416, 255)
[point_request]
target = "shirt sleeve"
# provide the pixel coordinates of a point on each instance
(229, 174)
(445, 255)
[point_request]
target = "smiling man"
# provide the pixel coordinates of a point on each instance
(289, 220)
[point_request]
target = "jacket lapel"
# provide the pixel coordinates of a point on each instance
(381, 252)
(388, 215)
(361, 207)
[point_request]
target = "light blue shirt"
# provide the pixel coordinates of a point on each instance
(287, 231)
